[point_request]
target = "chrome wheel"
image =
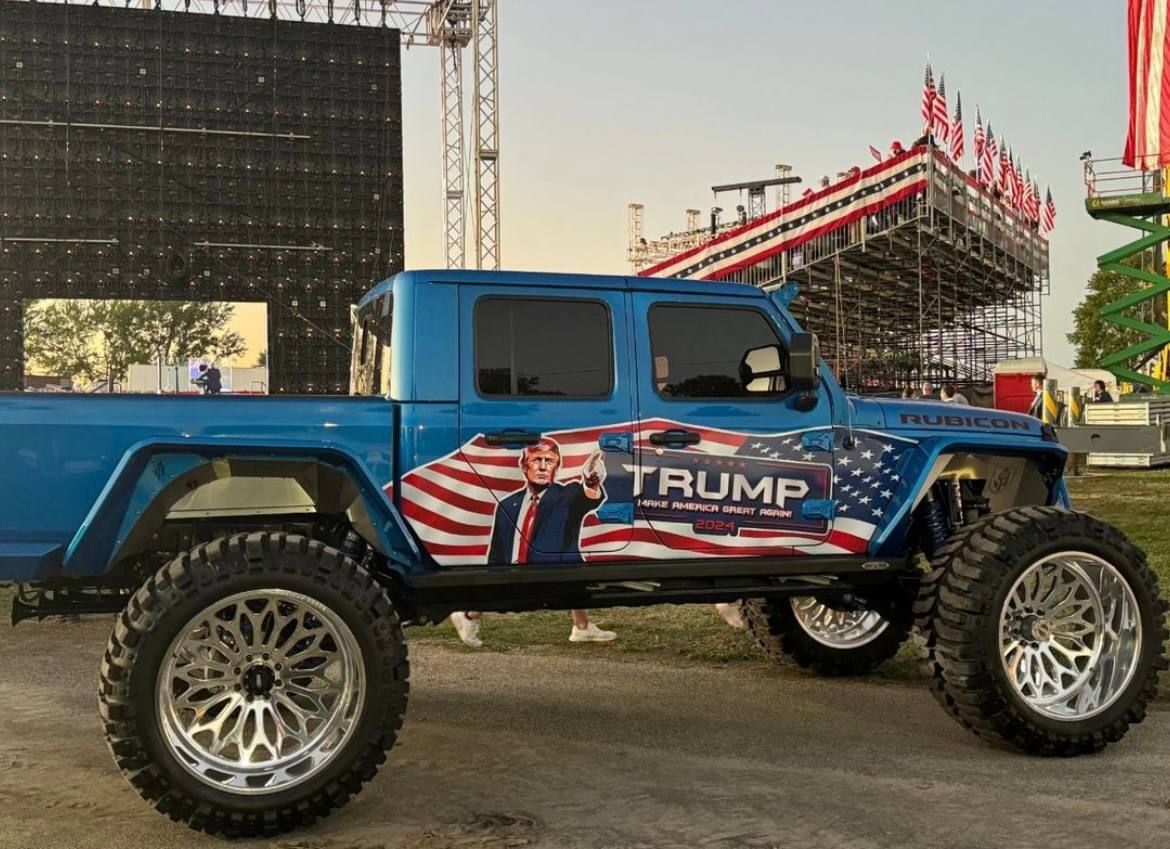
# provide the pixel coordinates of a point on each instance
(1070, 635)
(838, 629)
(260, 691)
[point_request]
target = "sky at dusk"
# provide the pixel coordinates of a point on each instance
(612, 101)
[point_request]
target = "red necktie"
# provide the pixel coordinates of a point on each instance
(526, 529)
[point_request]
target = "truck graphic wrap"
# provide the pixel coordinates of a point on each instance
(722, 495)
(731, 494)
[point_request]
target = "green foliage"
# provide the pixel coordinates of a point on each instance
(93, 340)
(1093, 336)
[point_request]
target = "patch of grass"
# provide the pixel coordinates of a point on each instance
(1136, 502)
(690, 632)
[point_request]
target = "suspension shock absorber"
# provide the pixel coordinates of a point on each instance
(935, 528)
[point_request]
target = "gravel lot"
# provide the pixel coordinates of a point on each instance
(589, 750)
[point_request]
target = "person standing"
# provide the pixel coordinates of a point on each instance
(952, 395)
(210, 379)
(1036, 410)
(928, 391)
(1100, 395)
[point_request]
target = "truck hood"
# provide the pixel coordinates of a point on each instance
(940, 417)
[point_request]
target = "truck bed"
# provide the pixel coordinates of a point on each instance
(58, 452)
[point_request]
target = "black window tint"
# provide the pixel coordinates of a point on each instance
(537, 346)
(697, 349)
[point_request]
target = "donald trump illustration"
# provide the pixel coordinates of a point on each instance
(540, 523)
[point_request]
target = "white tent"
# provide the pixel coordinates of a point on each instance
(1066, 378)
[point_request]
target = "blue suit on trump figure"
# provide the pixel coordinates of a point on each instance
(541, 523)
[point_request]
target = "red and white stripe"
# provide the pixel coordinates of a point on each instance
(451, 504)
(828, 209)
(1147, 144)
(940, 125)
(927, 100)
(957, 129)
(1048, 215)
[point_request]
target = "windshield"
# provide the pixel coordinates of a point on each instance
(369, 372)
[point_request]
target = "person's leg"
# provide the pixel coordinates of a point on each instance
(731, 614)
(585, 631)
(467, 627)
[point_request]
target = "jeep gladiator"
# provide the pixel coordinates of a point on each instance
(263, 554)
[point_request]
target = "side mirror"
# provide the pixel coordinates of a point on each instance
(762, 369)
(804, 359)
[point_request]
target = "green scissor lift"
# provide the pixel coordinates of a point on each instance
(1143, 210)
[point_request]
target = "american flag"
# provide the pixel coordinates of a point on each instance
(927, 100)
(1149, 86)
(1029, 204)
(940, 127)
(979, 143)
(1005, 173)
(1048, 220)
(875, 153)
(987, 159)
(451, 502)
(957, 128)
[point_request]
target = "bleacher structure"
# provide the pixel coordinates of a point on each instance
(155, 154)
(908, 270)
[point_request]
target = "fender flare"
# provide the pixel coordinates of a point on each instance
(1050, 455)
(149, 466)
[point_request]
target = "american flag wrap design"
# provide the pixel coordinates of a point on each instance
(451, 502)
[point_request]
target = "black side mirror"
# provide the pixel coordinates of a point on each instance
(804, 358)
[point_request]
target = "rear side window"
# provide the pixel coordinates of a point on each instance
(697, 349)
(543, 347)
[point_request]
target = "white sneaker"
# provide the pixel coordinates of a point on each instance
(592, 634)
(467, 629)
(732, 614)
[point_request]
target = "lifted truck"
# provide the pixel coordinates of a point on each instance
(525, 441)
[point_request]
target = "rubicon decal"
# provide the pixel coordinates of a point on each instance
(950, 420)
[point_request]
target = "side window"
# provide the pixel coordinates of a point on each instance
(698, 351)
(543, 347)
(370, 370)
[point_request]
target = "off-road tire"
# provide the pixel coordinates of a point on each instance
(958, 612)
(179, 591)
(776, 630)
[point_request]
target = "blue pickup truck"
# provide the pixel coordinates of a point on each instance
(523, 441)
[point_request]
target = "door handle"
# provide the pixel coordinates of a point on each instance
(508, 438)
(675, 437)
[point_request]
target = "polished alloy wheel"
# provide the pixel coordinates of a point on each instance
(260, 690)
(838, 629)
(1070, 635)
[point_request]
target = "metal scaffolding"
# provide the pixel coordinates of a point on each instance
(939, 284)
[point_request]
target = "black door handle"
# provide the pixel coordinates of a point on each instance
(511, 437)
(675, 437)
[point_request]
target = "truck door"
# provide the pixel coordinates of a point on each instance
(726, 468)
(546, 412)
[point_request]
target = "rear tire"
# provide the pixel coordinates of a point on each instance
(254, 684)
(1044, 631)
(829, 641)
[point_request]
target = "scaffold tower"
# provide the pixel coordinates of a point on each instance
(1134, 199)
(909, 270)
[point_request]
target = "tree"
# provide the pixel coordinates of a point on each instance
(262, 360)
(96, 340)
(1093, 336)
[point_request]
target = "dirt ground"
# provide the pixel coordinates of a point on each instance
(530, 750)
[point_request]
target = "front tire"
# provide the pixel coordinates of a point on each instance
(254, 684)
(1044, 631)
